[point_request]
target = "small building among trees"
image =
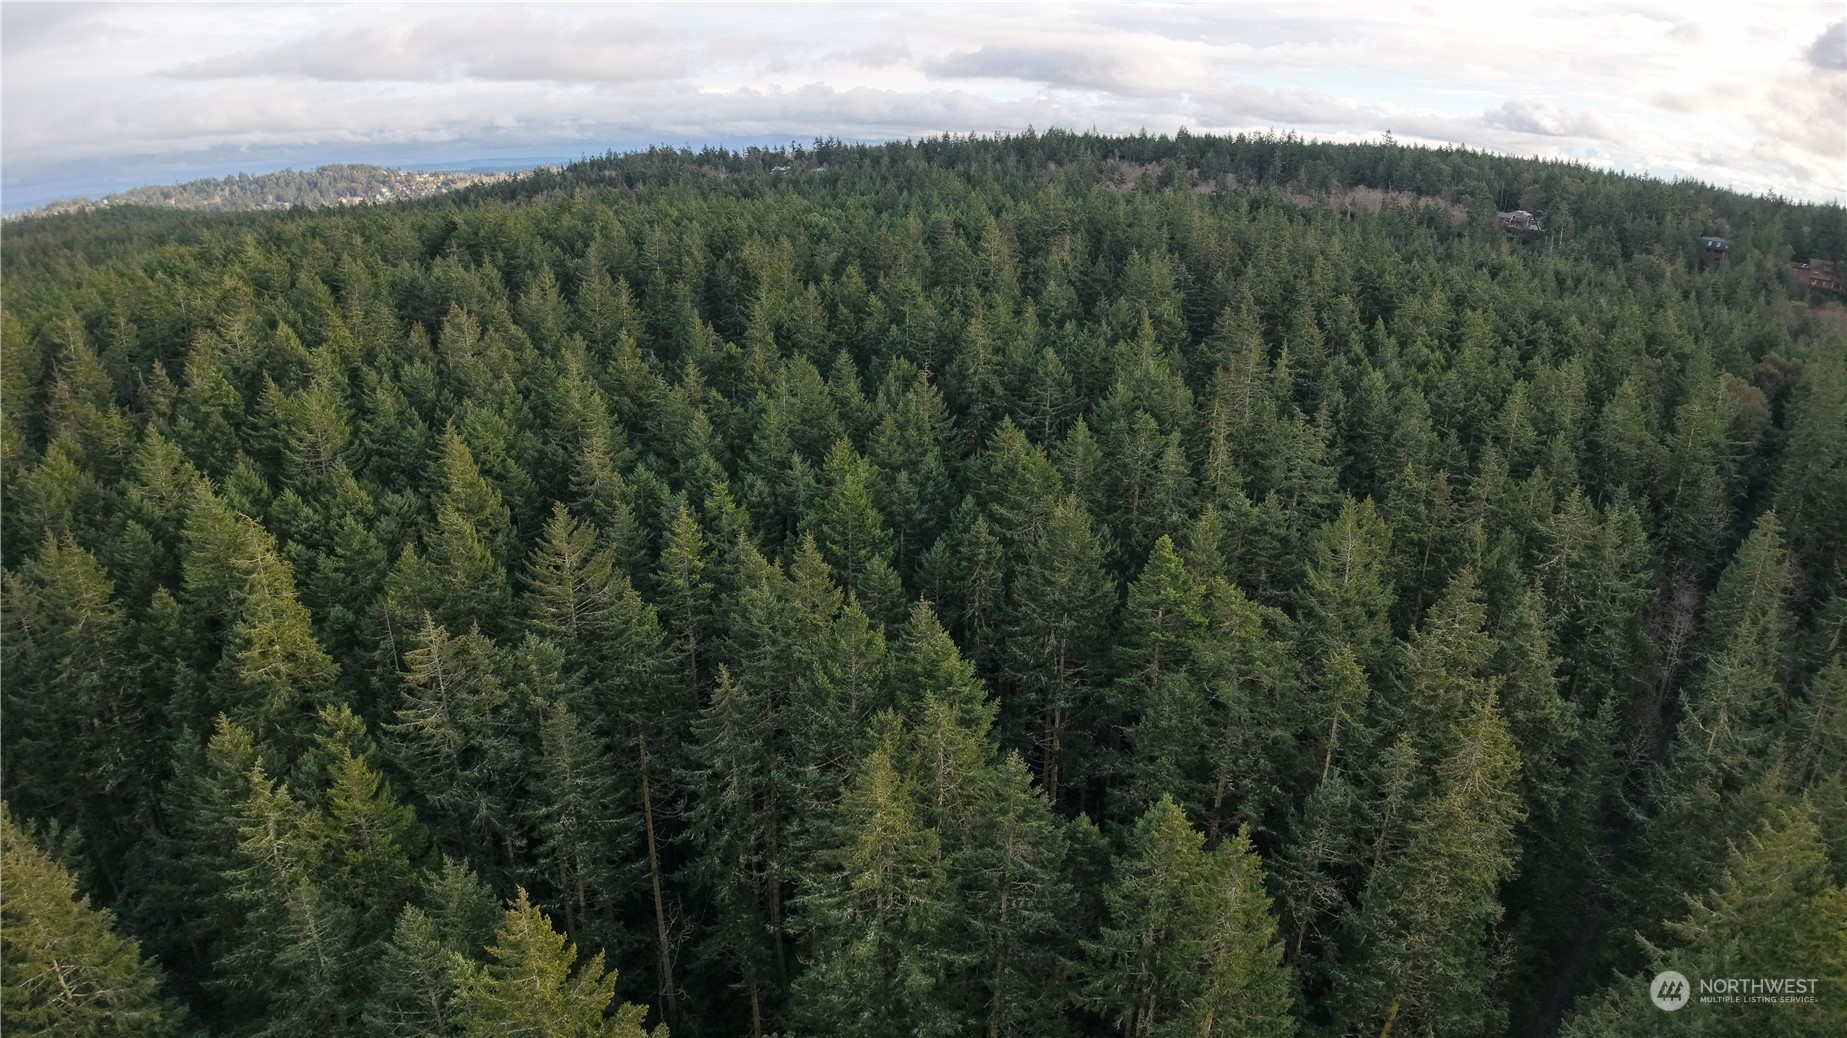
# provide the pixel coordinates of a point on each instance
(1716, 248)
(1819, 273)
(1518, 220)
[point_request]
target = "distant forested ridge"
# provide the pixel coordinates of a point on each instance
(316, 188)
(1042, 585)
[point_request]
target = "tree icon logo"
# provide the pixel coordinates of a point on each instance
(1669, 990)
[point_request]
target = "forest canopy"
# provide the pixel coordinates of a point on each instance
(1036, 585)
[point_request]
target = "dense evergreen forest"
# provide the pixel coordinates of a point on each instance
(1046, 585)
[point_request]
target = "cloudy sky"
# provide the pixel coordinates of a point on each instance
(96, 98)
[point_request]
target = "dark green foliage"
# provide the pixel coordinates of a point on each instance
(377, 841)
(881, 930)
(1416, 946)
(1063, 600)
(1775, 909)
(1729, 751)
(685, 596)
(416, 977)
(738, 833)
(851, 534)
(832, 594)
(292, 965)
(584, 823)
(454, 735)
(77, 743)
(1190, 946)
(1347, 591)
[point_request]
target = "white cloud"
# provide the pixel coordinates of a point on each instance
(1544, 120)
(1754, 96)
(501, 44)
(1829, 51)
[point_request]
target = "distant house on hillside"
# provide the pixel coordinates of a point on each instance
(1518, 220)
(1716, 248)
(1819, 273)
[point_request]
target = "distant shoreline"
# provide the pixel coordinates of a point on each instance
(327, 186)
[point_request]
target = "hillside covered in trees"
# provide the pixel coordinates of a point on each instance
(314, 188)
(1039, 586)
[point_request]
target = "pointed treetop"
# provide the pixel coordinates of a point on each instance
(67, 971)
(529, 986)
(927, 665)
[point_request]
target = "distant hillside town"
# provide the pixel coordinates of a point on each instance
(324, 186)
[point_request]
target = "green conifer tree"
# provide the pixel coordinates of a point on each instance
(293, 964)
(277, 674)
(1347, 591)
(1190, 947)
(1155, 692)
(1730, 735)
(377, 841)
(532, 984)
(453, 738)
(1775, 912)
(877, 916)
(63, 968)
(1813, 482)
(851, 533)
(684, 596)
(585, 824)
(1017, 901)
(1416, 946)
(1062, 603)
(415, 979)
(738, 832)
(77, 733)
(466, 492)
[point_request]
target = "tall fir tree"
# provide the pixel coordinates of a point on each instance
(454, 737)
(416, 976)
(292, 966)
(877, 917)
(533, 984)
(63, 967)
(1415, 949)
(1063, 599)
(1775, 909)
(737, 830)
(584, 822)
(79, 729)
(1730, 735)
(277, 673)
(1190, 947)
